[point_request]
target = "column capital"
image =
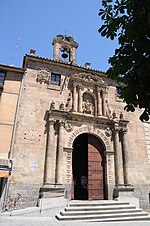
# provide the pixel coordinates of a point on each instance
(74, 85)
(51, 121)
(116, 127)
(123, 130)
(99, 89)
(103, 91)
(80, 87)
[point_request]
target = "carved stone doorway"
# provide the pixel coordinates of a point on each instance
(88, 180)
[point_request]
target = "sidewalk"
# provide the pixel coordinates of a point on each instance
(48, 221)
(45, 216)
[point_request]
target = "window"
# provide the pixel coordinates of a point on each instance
(118, 90)
(2, 78)
(55, 79)
(118, 94)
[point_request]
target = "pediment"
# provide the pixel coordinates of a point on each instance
(87, 78)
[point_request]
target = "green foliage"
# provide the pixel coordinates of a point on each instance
(129, 21)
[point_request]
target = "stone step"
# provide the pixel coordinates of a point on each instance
(106, 210)
(74, 213)
(105, 217)
(99, 207)
(137, 218)
(97, 203)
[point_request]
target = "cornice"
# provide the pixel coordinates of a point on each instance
(68, 65)
(11, 68)
(84, 118)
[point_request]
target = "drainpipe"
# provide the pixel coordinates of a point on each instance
(12, 142)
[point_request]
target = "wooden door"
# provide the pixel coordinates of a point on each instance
(95, 169)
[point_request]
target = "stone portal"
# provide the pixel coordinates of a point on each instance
(88, 182)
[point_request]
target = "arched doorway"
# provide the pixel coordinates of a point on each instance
(88, 167)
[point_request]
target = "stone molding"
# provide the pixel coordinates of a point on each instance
(95, 131)
(88, 78)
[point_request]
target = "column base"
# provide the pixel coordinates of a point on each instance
(52, 185)
(49, 190)
(122, 188)
(125, 193)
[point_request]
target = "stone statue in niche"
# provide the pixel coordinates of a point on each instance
(88, 104)
(88, 107)
(43, 76)
(108, 111)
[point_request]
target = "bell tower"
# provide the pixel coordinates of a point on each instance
(64, 48)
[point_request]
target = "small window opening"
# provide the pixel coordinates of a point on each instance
(2, 78)
(118, 90)
(55, 79)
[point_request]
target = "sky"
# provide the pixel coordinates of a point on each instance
(32, 24)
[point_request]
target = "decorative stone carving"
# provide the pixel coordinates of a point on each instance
(121, 116)
(88, 107)
(114, 115)
(108, 132)
(69, 126)
(88, 78)
(69, 99)
(43, 76)
(88, 104)
(52, 106)
(108, 111)
(61, 107)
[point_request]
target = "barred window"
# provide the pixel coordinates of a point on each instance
(55, 79)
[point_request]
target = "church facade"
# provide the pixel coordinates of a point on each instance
(72, 133)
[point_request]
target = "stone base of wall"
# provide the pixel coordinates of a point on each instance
(28, 191)
(143, 193)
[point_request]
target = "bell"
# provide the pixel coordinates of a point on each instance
(65, 54)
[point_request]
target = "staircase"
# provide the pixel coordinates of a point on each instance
(101, 211)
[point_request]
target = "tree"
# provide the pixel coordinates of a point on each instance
(129, 22)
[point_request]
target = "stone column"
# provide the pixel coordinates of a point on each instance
(79, 98)
(50, 161)
(103, 103)
(125, 156)
(60, 154)
(74, 103)
(118, 159)
(56, 53)
(73, 55)
(99, 104)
